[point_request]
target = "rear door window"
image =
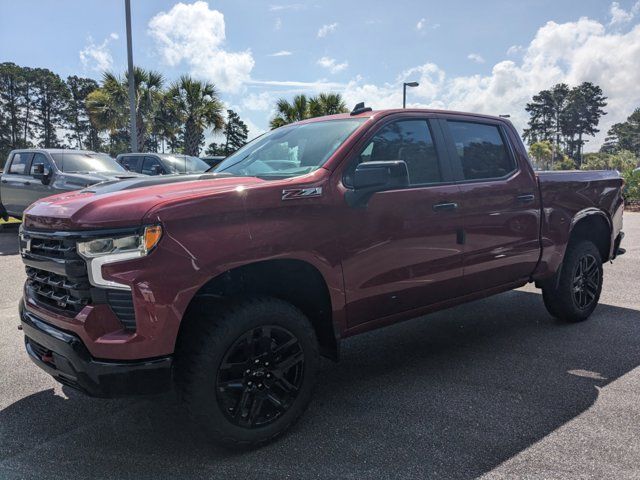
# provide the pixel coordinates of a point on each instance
(19, 163)
(130, 163)
(481, 149)
(151, 166)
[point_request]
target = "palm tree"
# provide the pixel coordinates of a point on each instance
(327, 104)
(198, 108)
(108, 106)
(290, 112)
(302, 108)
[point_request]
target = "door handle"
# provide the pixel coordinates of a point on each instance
(27, 183)
(5, 181)
(526, 198)
(444, 206)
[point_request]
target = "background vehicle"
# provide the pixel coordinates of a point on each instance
(213, 161)
(36, 173)
(161, 163)
(232, 284)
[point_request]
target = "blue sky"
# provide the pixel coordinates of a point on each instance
(488, 56)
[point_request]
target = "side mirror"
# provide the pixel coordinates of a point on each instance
(42, 172)
(156, 170)
(372, 177)
(46, 175)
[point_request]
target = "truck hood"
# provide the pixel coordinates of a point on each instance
(91, 178)
(124, 203)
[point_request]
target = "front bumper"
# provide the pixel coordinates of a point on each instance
(64, 356)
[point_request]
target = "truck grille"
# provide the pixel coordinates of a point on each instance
(57, 278)
(56, 274)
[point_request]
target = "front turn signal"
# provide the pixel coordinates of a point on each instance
(152, 236)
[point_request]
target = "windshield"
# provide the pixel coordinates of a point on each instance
(290, 151)
(76, 162)
(184, 164)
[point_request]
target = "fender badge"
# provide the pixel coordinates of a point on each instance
(295, 193)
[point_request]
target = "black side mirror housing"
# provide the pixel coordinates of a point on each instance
(43, 173)
(156, 170)
(372, 177)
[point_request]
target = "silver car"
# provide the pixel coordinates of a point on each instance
(32, 174)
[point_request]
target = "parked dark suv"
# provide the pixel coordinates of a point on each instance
(161, 163)
(32, 174)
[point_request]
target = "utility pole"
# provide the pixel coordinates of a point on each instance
(132, 85)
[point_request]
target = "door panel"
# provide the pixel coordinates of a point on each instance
(401, 253)
(501, 216)
(15, 183)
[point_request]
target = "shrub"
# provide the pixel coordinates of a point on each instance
(631, 191)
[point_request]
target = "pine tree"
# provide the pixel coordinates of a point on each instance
(235, 131)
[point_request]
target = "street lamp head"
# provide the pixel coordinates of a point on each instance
(412, 84)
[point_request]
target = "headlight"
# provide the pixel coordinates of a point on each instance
(101, 251)
(141, 245)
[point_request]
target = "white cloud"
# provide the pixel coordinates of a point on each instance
(319, 85)
(327, 29)
(332, 65)
(475, 57)
(258, 101)
(571, 52)
(281, 53)
(195, 34)
(515, 49)
(423, 23)
(290, 6)
(278, 24)
(98, 56)
(620, 15)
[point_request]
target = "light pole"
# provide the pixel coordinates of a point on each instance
(404, 91)
(132, 85)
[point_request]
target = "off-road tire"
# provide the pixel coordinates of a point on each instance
(213, 329)
(560, 296)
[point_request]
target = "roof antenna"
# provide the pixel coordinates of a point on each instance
(360, 108)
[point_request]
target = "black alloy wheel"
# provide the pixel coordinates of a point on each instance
(586, 281)
(260, 376)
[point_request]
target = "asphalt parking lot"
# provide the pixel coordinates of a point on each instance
(492, 389)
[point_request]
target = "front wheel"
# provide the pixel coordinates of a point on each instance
(576, 293)
(247, 370)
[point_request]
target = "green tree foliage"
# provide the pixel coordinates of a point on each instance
(215, 150)
(51, 99)
(563, 163)
(581, 117)
(82, 134)
(621, 161)
(624, 135)
(235, 132)
(564, 116)
(198, 108)
(108, 106)
(303, 107)
(542, 154)
(12, 108)
(631, 190)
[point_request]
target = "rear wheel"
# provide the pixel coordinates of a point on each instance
(576, 293)
(247, 369)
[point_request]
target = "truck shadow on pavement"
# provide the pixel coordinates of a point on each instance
(451, 395)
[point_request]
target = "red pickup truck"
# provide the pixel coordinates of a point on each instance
(229, 285)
